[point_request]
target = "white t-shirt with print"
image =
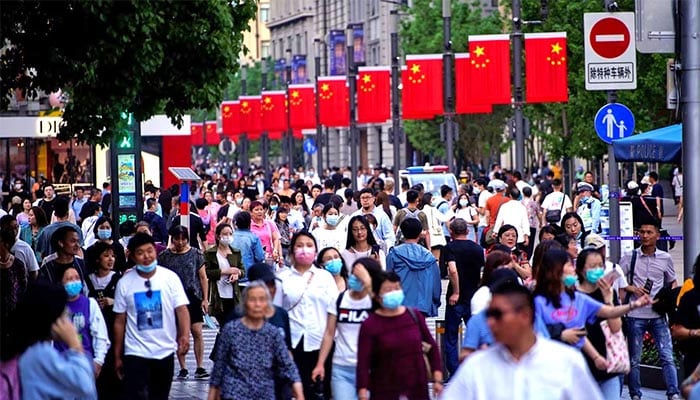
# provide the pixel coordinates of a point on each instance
(553, 202)
(347, 331)
(151, 327)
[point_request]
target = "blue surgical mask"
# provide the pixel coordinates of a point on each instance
(332, 220)
(147, 269)
(273, 207)
(569, 280)
(594, 275)
(392, 300)
(476, 190)
(334, 266)
(355, 284)
(73, 288)
(99, 214)
(104, 234)
(463, 203)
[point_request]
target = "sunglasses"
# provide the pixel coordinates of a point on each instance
(149, 293)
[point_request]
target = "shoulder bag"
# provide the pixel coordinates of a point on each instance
(617, 354)
(425, 346)
(554, 216)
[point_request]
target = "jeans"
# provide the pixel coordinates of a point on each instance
(611, 388)
(454, 315)
(479, 232)
(659, 330)
(146, 378)
(343, 380)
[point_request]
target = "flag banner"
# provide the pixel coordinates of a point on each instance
(196, 134)
(299, 69)
(490, 68)
(466, 101)
(250, 114)
(273, 111)
(280, 72)
(275, 135)
(358, 43)
(297, 134)
(302, 107)
(373, 95)
(333, 101)
(421, 79)
(231, 118)
(337, 48)
(546, 68)
(211, 135)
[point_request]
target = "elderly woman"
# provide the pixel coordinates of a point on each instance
(252, 353)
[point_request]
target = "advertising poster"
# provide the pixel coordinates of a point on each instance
(358, 43)
(337, 48)
(127, 173)
(299, 74)
(280, 78)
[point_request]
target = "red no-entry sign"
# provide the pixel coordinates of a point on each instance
(610, 37)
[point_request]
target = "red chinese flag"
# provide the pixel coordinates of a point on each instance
(489, 75)
(212, 136)
(333, 101)
(231, 119)
(466, 103)
(298, 134)
(274, 111)
(196, 134)
(421, 80)
(302, 106)
(545, 68)
(250, 114)
(275, 135)
(373, 95)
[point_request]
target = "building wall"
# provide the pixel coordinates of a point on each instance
(257, 40)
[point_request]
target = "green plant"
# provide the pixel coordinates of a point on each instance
(650, 355)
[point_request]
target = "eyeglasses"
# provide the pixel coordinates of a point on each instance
(149, 292)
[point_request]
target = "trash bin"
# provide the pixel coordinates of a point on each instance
(440, 340)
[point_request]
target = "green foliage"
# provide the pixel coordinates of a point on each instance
(139, 56)
(567, 129)
(481, 135)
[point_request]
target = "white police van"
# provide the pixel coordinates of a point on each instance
(431, 176)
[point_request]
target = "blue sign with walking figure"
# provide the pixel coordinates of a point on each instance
(614, 121)
(309, 146)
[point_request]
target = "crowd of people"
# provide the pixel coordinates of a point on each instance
(320, 291)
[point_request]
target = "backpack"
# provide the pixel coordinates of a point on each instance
(407, 214)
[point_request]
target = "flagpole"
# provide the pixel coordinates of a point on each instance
(243, 141)
(264, 138)
(396, 134)
(352, 86)
(448, 129)
(287, 144)
(319, 130)
(517, 38)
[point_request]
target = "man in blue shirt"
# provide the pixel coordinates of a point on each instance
(245, 241)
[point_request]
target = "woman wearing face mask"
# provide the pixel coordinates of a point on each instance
(224, 267)
(273, 207)
(590, 268)
(267, 231)
(333, 233)
(566, 311)
(103, 231)
(344, 318)
(87, 318)
(329, 258)
(465, 209)
(306, 292)
(90, 214)
(390, 361)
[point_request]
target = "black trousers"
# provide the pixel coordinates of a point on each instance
(148, 379)
(306, 361)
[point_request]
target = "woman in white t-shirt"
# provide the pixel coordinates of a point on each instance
(334, 231)
(345, 316)
(465, 209)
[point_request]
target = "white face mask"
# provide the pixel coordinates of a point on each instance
(226, 240)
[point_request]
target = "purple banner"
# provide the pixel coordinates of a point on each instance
(299, 69)
(358, 43)
(280, 78)
(337, 49)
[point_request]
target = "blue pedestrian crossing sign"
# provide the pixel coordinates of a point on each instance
(309, 146)
(614, 121)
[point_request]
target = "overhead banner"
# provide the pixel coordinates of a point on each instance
(337, 49)
(280, 78)
(299, 69)
(358, 43)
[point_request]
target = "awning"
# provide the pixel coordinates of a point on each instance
(659, 145)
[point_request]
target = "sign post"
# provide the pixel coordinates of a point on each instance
(610, 52)
(125, 170)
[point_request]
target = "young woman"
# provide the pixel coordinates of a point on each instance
(103, 232)
(299, 204)
(508, 237)
(252, 354)
(590, 268)
(465, 209)
(91, 213)
(286, 231)
(573, 228)
(343, 328)
(329, 258)
(435, 221)
(267, 231)
(23, 216)
(13, 283)
(333, 233)
(224, 267)
(390, 362)
(361, 243)
(102, 284)
(273, 206)
(30, 233)
(305, 292)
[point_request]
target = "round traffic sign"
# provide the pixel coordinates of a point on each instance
(610, 37)
(227, 146)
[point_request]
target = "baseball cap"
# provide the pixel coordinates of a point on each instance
(594, 241)
(632, 185)
(497, 184)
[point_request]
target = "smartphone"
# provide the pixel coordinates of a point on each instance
(648, 285)
(611, 277)
(583, 333)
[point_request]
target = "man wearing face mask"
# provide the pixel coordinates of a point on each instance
(151, 323)
(587, 207)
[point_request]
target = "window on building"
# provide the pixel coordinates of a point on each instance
(297, 48)
(265, 48)
(264, 13)
(494, 3)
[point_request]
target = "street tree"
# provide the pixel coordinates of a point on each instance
(109, 57)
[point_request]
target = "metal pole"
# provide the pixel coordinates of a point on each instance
(395, 137)
(264, 138)
(352, 85)
(517, 38)
(287, 144)
(613, 179)
(243, 144)
(319, 128)
(689, 13)
(449, 126)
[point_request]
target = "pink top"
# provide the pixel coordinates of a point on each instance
(264, 232)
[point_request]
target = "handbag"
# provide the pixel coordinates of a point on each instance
(617, 354)
(425, 346)
(554, 216)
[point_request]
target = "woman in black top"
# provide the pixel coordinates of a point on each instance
(104, 233)
(686, 327)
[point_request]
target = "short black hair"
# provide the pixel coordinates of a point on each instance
(444, 190)
(514, 193)
(328, 184)
(138, 240)
(127, 228)
(527, 191)
(411, 228)
(60, 234)
(60, 207)
(150, 202)
(367, 190)
(242, 220)
(518, 295)
(412, 196)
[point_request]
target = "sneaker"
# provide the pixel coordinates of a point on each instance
(183, 374)
(201, 373)
(675, 397)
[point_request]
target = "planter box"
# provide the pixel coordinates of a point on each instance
(652, 377)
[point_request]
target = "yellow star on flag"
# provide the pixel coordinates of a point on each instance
(325, 87)
(366, 79)
(268, 100)
(415, 68)
(227, 109)
(244, 104)
(295, 94)
(556, 48)
(479, 51)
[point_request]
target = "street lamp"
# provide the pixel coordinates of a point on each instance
(289, 141)
(243, 143)
(264, 137)
(352, 88)
(320, 138)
